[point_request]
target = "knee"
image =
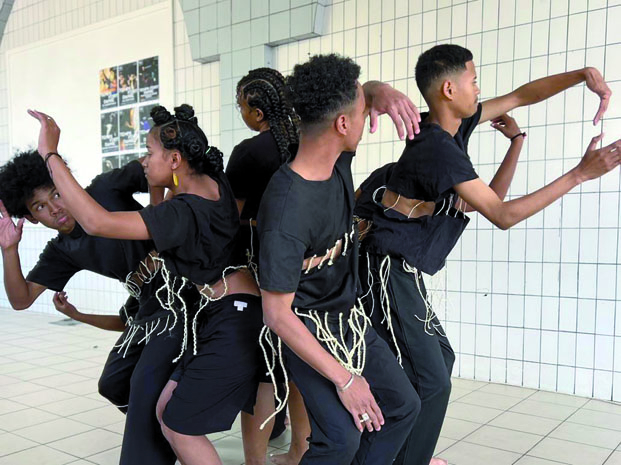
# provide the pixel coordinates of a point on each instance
(344, 445)
(442, 389)
(110, 389)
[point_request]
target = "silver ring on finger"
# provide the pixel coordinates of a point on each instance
(364, 417)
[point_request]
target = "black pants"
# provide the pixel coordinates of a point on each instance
(427, 359)
(335, 438)
(134, 383)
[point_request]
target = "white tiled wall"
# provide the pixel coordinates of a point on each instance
(534, 306)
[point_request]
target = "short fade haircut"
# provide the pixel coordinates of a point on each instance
(321, 87)
(440, 61)
(19, 178)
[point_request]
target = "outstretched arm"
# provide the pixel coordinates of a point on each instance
(595, 163)
(541, 89)
(504, 175)
(356, 396)
(93, 218)
(107, 322)
(381, 98)
(21, 293)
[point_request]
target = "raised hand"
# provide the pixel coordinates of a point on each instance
(506, 125)
(10, 233)
(49, 134)
(597, 162)
(360, 403)
(386, 99)
(596, 84)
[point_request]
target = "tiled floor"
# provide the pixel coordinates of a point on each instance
(51, 414)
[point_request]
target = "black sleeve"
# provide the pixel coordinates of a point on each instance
(280, 261)
(53, 270)
(127, 180)
(468, 125)
(170, 224)
(239, 170)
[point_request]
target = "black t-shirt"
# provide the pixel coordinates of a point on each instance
(428, 169)
(195, 235)
(300, 218)
(433, 162)
(67, 254)
(249, 170)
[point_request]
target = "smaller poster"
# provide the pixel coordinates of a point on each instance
(109, 132)
(148, 76)
(128, 83)
(145, 124)
(126, 158)
(109, 163)
(128, 129)
(108, 91)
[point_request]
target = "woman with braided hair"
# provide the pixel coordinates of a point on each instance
(217, 305)
(264, 108)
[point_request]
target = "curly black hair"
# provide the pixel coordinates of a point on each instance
(181, 132)
(440, 61)
(264, 88)
(19, 178)
(321, 87)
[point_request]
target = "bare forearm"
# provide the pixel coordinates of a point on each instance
(504, 175)
(300, 340)
(107, 322)
(15, 284)
(541, 89)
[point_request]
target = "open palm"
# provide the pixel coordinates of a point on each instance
(10, 233)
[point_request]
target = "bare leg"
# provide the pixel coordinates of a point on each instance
(438, 461)
(255, 440)
(300, 430)
(190, 450)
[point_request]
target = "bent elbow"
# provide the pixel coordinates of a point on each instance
(20, 305)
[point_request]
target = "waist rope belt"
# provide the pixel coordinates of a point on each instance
(352, 359)
(430, 315)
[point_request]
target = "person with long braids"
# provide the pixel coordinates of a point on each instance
(193, 233)
(264, 108)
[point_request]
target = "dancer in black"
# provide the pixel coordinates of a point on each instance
(193, 234)
(135, 371)
(417, 207)
(308, 274)
(264, 108)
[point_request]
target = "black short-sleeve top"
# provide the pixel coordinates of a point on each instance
(434, 161)
(299, 219)
(429, 167)
(67, 254)
(194, 235)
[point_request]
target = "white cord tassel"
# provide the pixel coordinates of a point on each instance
(266, 334)
(384, 273)
(429, 313)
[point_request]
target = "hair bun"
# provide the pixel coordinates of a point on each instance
(185, 113)
(160, 115)
(215, 158)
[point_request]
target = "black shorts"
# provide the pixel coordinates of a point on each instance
(222, 379)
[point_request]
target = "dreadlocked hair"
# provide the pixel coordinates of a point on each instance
(181, 132)
(264, 89)
(19, 178)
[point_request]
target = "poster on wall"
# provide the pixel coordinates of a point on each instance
(128, 129)
(109, 132)
(109, 163)
(128, 84)
(145, 124)
(108, 91)
(148, 75)
(128, 92)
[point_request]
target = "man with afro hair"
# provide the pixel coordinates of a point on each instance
(135, 371)
(308, 271)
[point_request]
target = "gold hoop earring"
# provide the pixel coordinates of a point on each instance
(175, 179)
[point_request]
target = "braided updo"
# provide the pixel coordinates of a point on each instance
(181, 132)
(264, 88)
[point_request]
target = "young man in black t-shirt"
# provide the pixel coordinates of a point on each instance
(418, 215)
(308, 279)
(135, 371)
